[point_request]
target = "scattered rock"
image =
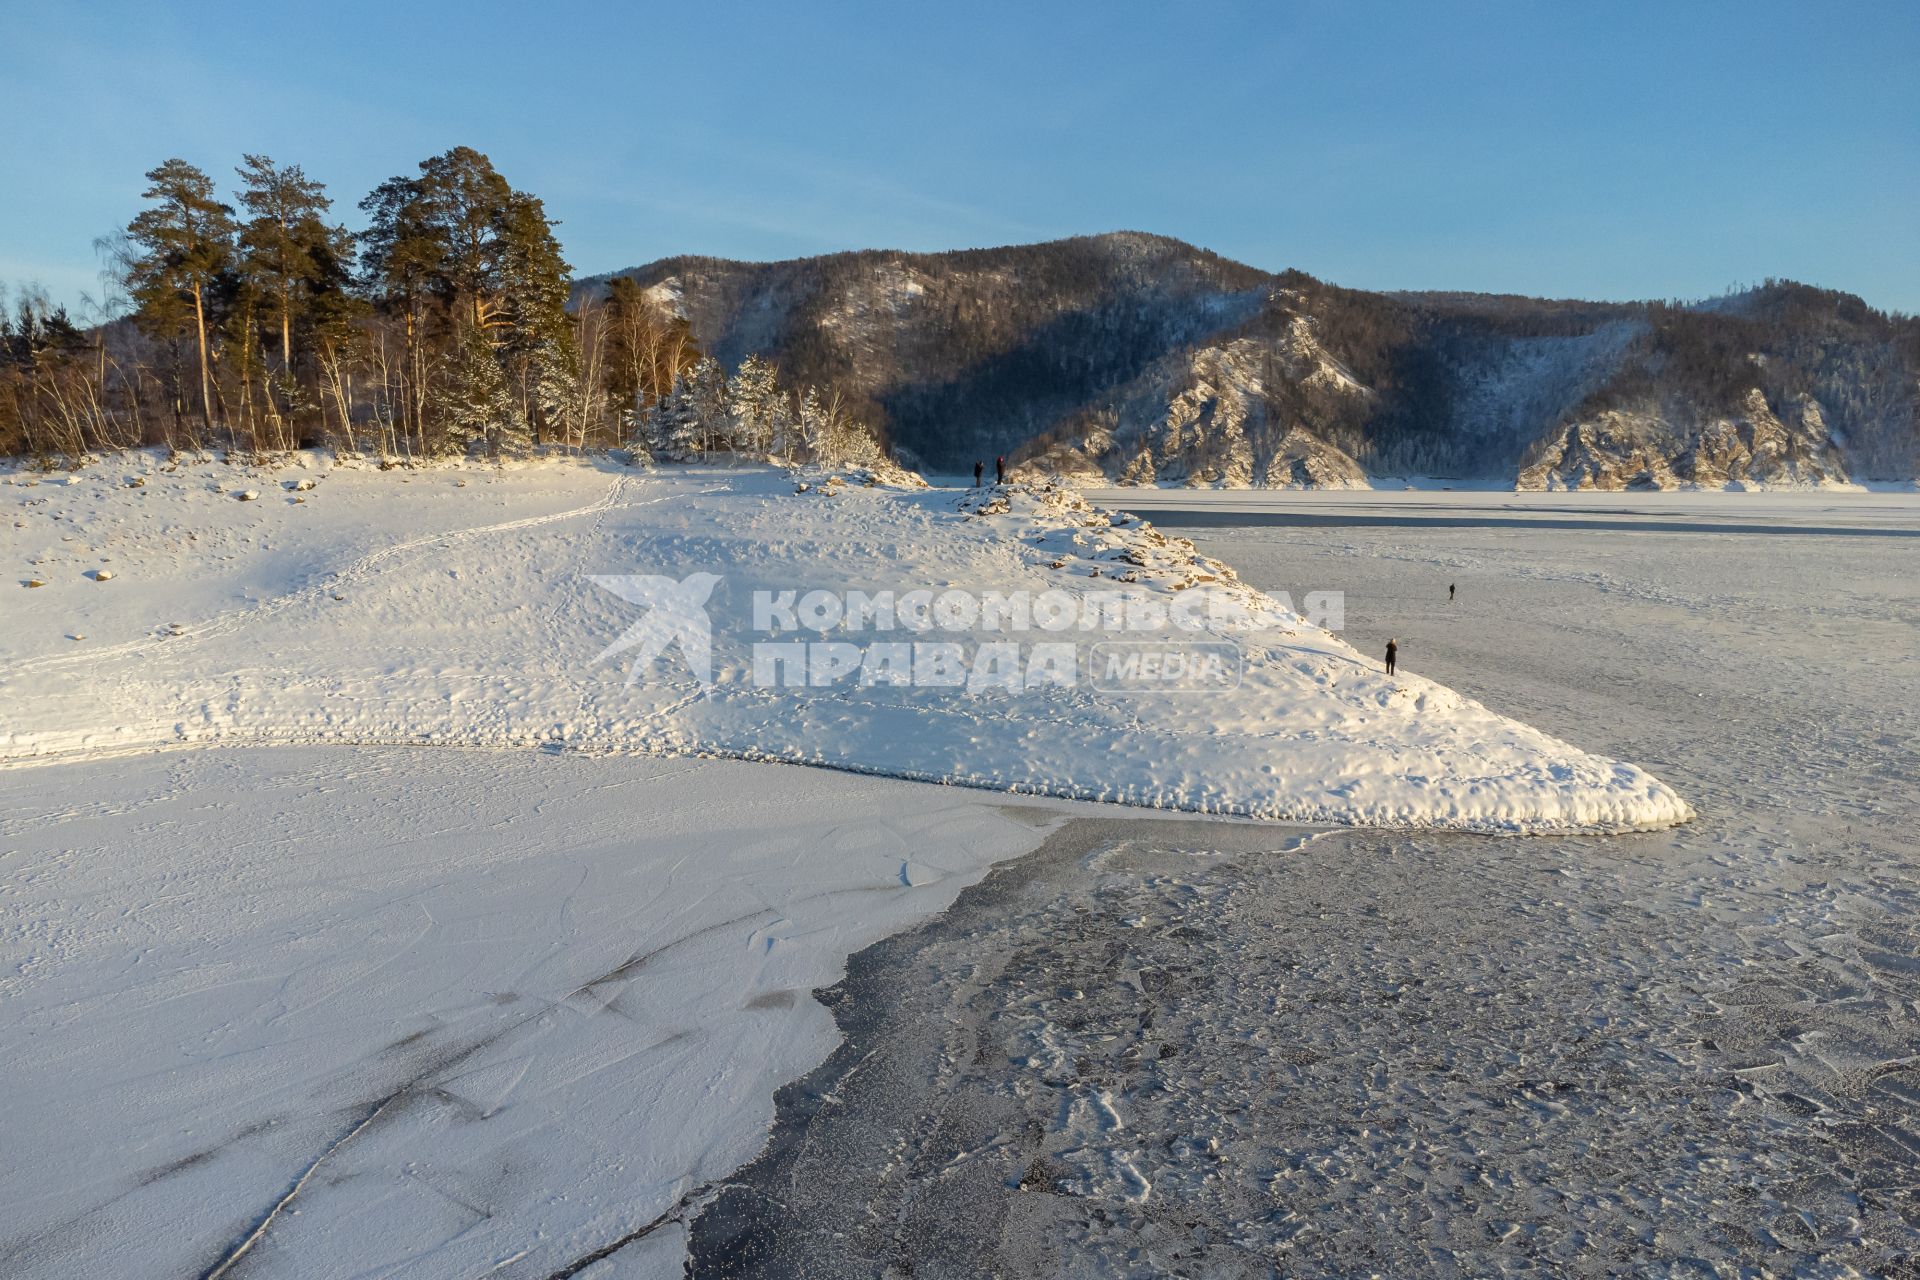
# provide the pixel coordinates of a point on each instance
(137, 482)
(102, 575)
(248, 495)
(36, 582)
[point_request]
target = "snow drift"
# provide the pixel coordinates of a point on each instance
(456, 606)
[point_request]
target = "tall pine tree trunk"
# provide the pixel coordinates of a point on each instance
(206, 374)
(286, 361)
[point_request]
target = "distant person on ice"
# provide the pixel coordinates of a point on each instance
(979, 469)
(1449, 585)
(1393, 651)
(1000, 470)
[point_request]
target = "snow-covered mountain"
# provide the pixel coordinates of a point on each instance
(1141, 359)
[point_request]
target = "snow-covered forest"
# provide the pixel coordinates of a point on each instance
(442, 327)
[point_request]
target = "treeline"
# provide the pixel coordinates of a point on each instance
(1785, 340)
(443, 328)
(971, 353)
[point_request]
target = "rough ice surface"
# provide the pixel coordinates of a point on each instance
(457, 607)
(1163, 1047)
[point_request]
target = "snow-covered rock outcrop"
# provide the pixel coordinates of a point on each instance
(1758, 449)
(1239, 415)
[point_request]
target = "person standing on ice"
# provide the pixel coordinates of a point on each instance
(1000, 470)
(979, 471)
(1393, 651)
(1449, 593)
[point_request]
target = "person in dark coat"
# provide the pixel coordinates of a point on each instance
(979, 470)
(1449, 585)
(1393, 651)
(1000, 470)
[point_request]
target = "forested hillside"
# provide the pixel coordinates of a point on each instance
(1140, 358)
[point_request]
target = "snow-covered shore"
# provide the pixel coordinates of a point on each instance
(451, 1013)
(457, 606)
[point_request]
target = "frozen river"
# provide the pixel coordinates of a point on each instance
(312, 1011)
(1200, 1049)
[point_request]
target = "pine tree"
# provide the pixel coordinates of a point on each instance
(464, 201)
(286, 244)
(754, 402)
(183, 245)
(401, 255)
(239, 304)
(336, 315)
(674, 428)
(706, 385)
(539, 348)
(478, 407)
(460, 236)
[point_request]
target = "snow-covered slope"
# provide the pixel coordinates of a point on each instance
(460, 607)
(1129, 355)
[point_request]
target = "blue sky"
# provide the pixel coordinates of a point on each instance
(1608, 150)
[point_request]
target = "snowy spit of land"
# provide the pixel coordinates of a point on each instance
(197, 603)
